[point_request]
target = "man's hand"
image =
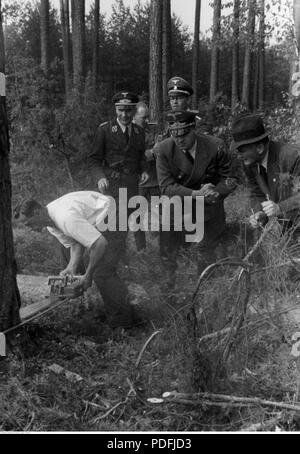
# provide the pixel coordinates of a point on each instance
(69, 271)
(270, 208)
(103, 185)
(83, 283)
(144, 177)
(256, 219)
(208, 192)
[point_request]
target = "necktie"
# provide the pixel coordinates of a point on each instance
(126, 134)
(263, 173)
(263, 180)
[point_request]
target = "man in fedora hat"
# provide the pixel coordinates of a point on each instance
(192, 164)
(272, 168)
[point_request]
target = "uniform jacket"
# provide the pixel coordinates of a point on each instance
(177, 175)
(283, 179)
(110, 151)
(150, 140)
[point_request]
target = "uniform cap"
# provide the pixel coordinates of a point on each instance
(125, 98)
(180, 121)
(179, 85)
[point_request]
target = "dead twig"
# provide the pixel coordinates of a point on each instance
(153, 335)
(30, 422)
(111, 410)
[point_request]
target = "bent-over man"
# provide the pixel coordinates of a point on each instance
(78, 220)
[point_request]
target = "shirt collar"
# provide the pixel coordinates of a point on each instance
(192, 150)
(123, 128)
(264, 162)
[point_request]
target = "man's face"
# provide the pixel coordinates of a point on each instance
(186, 140)
(125, 114)
(251, 153)
(142, 117)
(178, 102)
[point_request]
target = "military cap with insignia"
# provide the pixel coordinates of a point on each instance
(180, 122)
(179, 85)
(125, 98)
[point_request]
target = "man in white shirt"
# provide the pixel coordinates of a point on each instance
(78, 221)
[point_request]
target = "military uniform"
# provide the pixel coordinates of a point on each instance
(121, 160)
(179, 174)
(149, 187)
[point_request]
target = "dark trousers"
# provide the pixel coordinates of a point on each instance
(140, 235)
(214, 235)
(113, 290)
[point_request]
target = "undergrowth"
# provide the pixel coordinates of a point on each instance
(120, 371)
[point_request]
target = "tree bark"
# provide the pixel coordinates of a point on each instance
(256, 83)
(261, 83)
(45, 39)
(235, 55)
(65, 31)
(9, 292)
(196, 46)
(155, 67)
(214, 69)
(295, 83)
(78, 40)
(166, 48)
(248, 53)
(96, 59)
(297, 21)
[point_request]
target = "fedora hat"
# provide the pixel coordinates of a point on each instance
(248, 129)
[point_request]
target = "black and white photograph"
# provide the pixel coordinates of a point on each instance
(149, 219)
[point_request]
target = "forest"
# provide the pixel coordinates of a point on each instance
(223, 355)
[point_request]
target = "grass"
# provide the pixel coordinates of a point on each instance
(34, 398)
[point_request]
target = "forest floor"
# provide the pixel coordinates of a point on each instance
(68, 371)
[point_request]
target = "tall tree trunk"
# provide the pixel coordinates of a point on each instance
(261, 84)
(78, 40)
(166, 48)
(96, 59)
(45, 39)
(235, 55)
(256, 83)
(196, 48)
(155, 67)
(9, 293)
(248, 53)
(295, 76)
(214, 69)
(65, 31)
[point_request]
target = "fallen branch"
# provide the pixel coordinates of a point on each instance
(204, 402)
(231, 399)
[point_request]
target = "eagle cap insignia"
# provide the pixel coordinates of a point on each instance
(175, 81)
(125, 94)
